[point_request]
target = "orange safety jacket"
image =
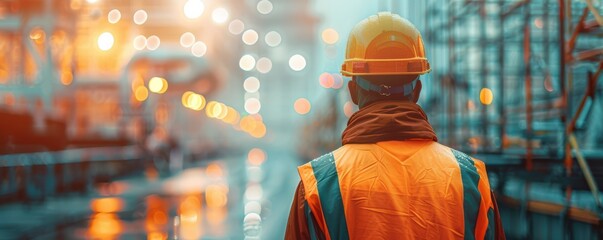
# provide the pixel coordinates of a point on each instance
(392, 180)
(398, 190)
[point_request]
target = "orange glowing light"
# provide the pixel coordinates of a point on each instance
(141, 93)
(209, 110)
(158, 85)
(220, 111)
(259, 131)
(37, 35)
(486, 96)
(107, 205)
(330, 36)
(215, 217)
(66, 77)
(194, 101)
(216, 196)
(302, 106)
(190, 210)
(256, 156)
(159, 217)
(157, 236)
(248, 123)
(232, 117)
(105, 226)
(214, 170)
(76, 4)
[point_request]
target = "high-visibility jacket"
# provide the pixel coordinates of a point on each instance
(398, 190)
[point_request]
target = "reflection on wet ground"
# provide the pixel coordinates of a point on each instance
(246, 197)
(190, 205)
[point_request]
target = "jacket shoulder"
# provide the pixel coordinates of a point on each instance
(467, 161)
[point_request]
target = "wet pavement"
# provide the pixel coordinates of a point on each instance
(242, 197)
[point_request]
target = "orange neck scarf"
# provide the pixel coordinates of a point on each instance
(388, 121)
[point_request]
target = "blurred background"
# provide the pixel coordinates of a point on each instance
(165, 119)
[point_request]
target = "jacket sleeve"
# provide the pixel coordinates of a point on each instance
(499, 232)
(299, 218)
(297, 227)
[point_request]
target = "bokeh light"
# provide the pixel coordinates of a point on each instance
(538, 22)
(232, 116)
(193, 9)
(486, 96)
(252, 105)
(326, 80)
(66, 77)
(187, 39)
(153, 42)
(253, 207)
(337, 81)
(272, 39)
(251, 84)
(114, 16)
(141, 93)
(264, 65)
(250, 37)
(349, 108)
(140, 42)
(302, 106)
(259, 131)
(256, 157)
(330, 36)
(199, 49)
(219, 15)
(185, 97)
(158, 85)
(105, 41)
(216, 196)
(236, 27)
(297, 62)
(140, 17)
(209, 109)
(247, 62)
(107, 205)
(193, 100)
(264, 7)
(217, 110)
(548, 83)
(37, 35)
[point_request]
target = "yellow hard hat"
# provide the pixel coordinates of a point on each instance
(385, 44)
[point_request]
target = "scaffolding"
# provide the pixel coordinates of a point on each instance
(517, 83)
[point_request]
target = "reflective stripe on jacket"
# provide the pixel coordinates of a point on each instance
(398, 190)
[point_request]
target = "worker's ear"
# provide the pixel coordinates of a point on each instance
(416, 93)
(353, 90)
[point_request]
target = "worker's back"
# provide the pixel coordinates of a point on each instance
(398, 190)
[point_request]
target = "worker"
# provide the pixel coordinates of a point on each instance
(391, 179)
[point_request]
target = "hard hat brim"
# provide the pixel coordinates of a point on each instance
(367, 67)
